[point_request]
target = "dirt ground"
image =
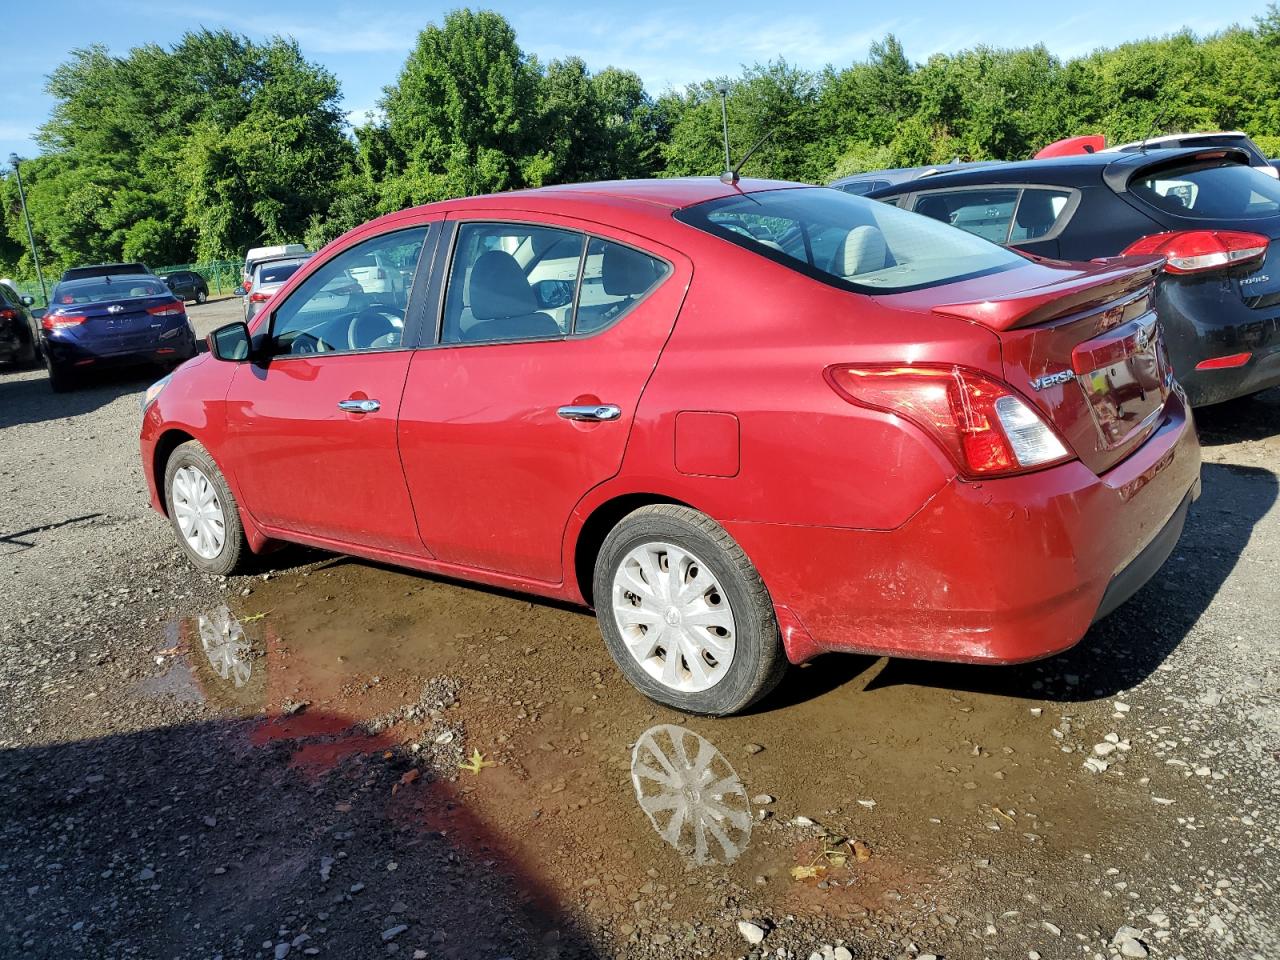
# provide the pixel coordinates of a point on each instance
(334, 758)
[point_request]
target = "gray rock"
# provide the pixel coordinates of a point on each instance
(751, 932)
(392, 932)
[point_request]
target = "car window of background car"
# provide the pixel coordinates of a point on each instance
(614, 279)
(276, 272)
(1037, 213)
(860, 188)
(1213, 192)
(122, 289)
(987, 213)
(343, 306)
(511, 281)
(851, 242)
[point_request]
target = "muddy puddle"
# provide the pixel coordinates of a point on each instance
(907, 804)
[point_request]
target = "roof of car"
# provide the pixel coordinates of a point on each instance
(1083, 169)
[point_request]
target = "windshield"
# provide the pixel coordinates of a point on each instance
(849, 242)
(1214, 191)
(124, 288)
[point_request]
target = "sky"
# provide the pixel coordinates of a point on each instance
(668, 45)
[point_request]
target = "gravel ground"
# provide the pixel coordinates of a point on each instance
(273, 765)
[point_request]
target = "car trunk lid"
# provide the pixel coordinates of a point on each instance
(1085, 348)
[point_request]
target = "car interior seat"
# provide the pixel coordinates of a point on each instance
(502, 302)
(863, 251)
(935, 208)
(624, 273)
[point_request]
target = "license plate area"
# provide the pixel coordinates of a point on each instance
(1126, 377)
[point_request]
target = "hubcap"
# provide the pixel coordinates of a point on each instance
(198, 511)
(673, 616)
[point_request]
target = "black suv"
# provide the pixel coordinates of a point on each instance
(1213, 217)
(187, 285)
(105, 270)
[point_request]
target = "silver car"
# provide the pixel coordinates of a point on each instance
(268, 277)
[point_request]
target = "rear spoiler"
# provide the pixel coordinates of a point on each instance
(1098, 283)
(1118, 174)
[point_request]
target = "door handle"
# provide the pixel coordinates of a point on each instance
(590, 413)
(359, 406)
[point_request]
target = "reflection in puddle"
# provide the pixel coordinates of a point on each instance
(222, 637)
(693, 797)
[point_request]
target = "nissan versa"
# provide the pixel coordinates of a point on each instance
(748, 423)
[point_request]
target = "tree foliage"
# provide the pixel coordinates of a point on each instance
(220, 142)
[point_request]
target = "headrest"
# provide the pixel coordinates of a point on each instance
(498, 288)
(626, 272)
(863, 251)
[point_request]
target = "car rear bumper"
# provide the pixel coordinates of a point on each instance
(1207, 320)
(999, 571)
(179, 345)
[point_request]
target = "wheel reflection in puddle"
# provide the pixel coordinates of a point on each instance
(224, 643)
(691, 794)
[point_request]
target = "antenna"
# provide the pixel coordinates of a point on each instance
(731, 176)
(1155, 125)
(724, 116)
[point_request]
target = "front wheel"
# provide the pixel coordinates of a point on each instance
(684, 612)
(201, 296)
(203, 511)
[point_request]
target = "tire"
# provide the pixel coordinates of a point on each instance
(746, 659)
(231, 555)
(61, 380)
(201, 296)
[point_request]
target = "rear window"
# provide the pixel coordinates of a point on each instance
(1212, 191)
(125, 288)
(849, 242)
(277, 273)
(860, 188)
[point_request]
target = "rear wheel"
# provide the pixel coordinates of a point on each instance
(684, 612)
(203, 511)
(60, 378)
(201, 296)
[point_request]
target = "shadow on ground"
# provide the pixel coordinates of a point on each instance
(215, 839)
(1249, 418)
(25, 396)
(1122, 650)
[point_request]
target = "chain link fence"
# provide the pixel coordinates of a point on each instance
(222, 276)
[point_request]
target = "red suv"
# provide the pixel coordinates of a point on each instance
(748, 423)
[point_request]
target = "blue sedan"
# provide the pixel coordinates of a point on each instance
(98, 322)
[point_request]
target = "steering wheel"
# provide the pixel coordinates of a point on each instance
(371, 327)
(305, 343)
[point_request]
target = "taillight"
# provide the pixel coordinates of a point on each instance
(56, 321)
(259, 297)
(8, 314)
(167, 310)
(379, 274)
(1191, 251)
(986, 428)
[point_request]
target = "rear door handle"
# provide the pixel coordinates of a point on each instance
(359, 406)
(591, 413)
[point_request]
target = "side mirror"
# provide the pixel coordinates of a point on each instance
(231, 343)
(29, 300)
(553, 293)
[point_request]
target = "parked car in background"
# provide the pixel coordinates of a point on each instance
(1223, 138)
(1213, 216)
(97, 322)
(106, 270)
(268, 277)
(860, 184)
(187, 285)
(265, 253)
(748, 423)
(19, 335)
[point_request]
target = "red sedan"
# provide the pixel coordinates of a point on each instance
(747, 423)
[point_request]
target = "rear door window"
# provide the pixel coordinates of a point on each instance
(1005, 215)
